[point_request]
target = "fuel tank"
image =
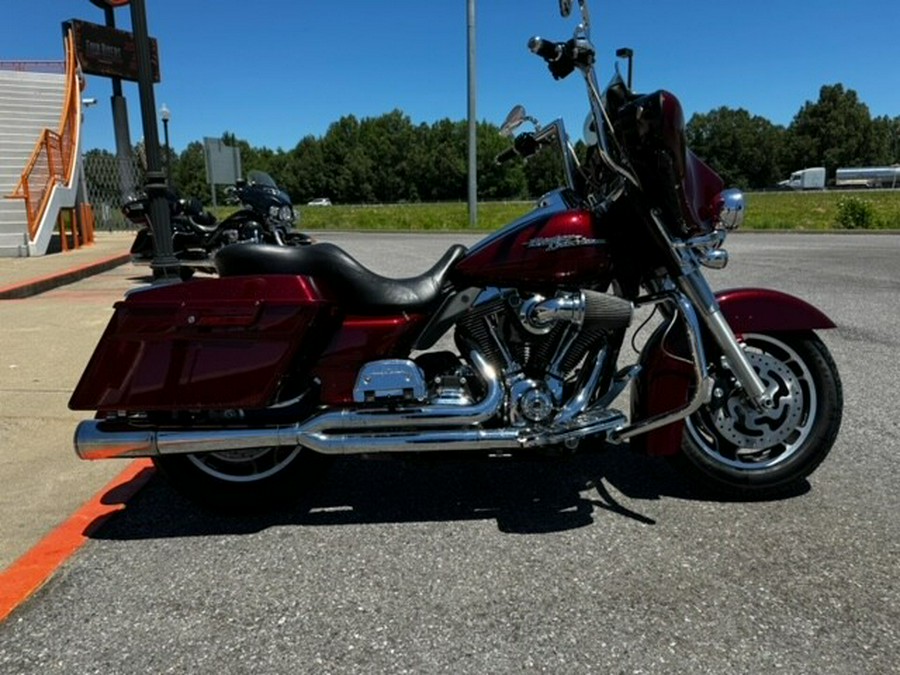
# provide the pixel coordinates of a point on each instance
(556, 244)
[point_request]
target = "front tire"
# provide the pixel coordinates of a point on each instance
(734, 450)
(243, 481)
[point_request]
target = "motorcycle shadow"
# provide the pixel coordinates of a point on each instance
(532, 495)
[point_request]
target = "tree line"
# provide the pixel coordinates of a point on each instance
(389, 159)
(384, 159)
(835, 131)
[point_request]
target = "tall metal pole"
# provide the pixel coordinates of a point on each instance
(124, 159)
(165, 264)
(166, 115)
(473, 165)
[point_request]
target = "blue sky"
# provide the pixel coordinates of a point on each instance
(273, 72)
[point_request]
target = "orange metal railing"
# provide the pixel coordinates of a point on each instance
(54, 158)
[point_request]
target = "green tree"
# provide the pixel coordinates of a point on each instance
(440, 163)
(744, 149)
(835, 131)
(189, 173)
(304, 174)
(350, 174)
(496, 181)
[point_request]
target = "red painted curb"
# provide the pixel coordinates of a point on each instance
(31, 287)
(27, 574)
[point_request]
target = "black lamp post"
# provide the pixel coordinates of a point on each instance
(165, 265)
(166, 114)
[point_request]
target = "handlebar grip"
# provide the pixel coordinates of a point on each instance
(546, 49)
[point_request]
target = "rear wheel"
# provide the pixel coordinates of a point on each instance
(245, 480)
(736, 450)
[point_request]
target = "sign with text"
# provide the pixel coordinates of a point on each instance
(109, 52)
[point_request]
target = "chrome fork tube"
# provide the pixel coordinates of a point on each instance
(703, 390)
(696, 288)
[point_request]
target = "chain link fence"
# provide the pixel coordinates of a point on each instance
(110, 182)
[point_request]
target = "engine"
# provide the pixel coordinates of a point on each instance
(538, 343)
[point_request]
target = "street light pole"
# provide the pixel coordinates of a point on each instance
(473, 165)
(166, 114)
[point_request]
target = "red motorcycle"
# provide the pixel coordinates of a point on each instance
(236, 386)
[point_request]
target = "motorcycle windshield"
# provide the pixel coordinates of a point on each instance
(261, 178)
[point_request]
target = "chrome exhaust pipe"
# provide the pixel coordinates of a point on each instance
(352, 432)
(338, 432)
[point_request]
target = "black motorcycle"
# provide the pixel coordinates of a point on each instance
(266, 216)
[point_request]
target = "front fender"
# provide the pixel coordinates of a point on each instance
(666, 379)
(757, 310)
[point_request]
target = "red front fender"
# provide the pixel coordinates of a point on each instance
(756, 310)
(665, 380)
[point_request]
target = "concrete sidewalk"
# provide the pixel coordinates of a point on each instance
(24, 277)
(46, 339)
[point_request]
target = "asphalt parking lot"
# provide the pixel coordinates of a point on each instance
(604, 562)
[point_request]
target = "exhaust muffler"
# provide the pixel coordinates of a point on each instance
(336, 432)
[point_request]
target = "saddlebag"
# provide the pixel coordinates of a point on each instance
(210, 344)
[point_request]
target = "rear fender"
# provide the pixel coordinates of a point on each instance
(666, 380)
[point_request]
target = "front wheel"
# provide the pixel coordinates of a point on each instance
(738, 451)
(245, 480)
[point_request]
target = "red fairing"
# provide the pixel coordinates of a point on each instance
(665, 381)
(361, 339)
(212, 344)
(561, 248)
(701, 189)
(700, 185)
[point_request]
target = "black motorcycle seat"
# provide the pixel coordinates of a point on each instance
(204, 225)
(359, 289)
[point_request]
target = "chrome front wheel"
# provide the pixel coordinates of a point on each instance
(736, 449)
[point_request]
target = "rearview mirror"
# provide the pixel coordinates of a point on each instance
(513, 120)
(565, 8)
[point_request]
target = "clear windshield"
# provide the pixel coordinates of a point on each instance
(261, 178)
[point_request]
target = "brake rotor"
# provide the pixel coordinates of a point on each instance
(746, 427)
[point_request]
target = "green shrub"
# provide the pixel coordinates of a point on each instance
(855, 213)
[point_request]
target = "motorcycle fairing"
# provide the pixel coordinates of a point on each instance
(666, 378)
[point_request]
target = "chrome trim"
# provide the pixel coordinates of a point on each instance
(538, 315)
(578, 403)
(389, 378)
(695, 286)
(731, 213)
(703, 391)
(715, 259)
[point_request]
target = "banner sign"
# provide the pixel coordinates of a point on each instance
(109, 52)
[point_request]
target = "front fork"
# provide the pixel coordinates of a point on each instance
(694, 285)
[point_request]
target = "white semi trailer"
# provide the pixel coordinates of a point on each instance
(812, 178)
(868, 177)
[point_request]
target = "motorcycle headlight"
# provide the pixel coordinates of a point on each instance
(731, 209)
(286, 214)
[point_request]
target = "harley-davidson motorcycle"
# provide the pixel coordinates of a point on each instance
(266, 216)
(238, 386)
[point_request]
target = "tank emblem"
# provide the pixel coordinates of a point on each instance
(563, 241)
